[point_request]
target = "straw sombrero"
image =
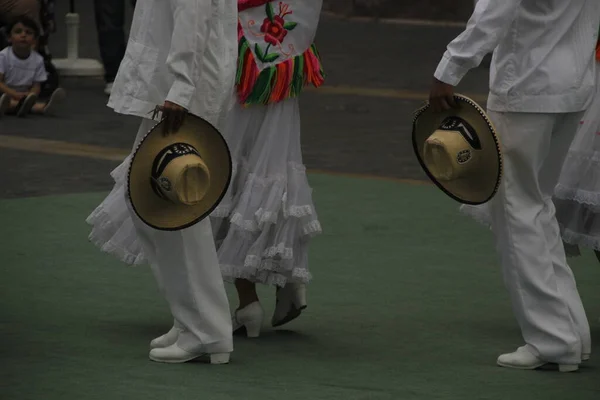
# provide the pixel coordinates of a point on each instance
(459, 151)
(177, 180)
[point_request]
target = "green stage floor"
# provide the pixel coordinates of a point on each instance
(407, 303)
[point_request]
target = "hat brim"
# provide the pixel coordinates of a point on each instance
(162, 214)
(480, 187)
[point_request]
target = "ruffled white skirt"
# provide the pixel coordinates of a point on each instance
(113, 230)
(264, 223)
(577, 194)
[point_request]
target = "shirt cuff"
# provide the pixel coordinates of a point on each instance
(450, 72)
(181, 94)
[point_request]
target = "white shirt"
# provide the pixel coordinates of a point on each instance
(543, 53)
(21, 74)
(183, 51)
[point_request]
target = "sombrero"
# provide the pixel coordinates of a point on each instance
(459, 151)
(175, 181)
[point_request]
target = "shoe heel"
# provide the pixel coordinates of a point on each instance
(568, 368)
(220, 358)
(299, 298)
(253, 328)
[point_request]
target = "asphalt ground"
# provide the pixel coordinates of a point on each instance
(359, 122)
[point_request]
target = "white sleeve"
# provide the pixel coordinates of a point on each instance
(3, 62)
(190, 34)
(486, 27)
(40, 71)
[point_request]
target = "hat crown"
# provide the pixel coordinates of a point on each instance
(449, 150)
(180, 175)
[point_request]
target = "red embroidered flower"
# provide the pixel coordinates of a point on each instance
(274, 30)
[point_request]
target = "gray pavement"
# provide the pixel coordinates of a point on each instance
(359, 133)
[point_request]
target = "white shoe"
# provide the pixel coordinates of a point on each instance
(55, 100)
(176, 355)
(585, 357)
(26, 105)
(249, 317)
(166, 340)
(108, 88)
(523, 359)
(4, 104)
(291, 300)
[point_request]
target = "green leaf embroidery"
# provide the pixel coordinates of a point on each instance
(290, 25)
(270, 12)
(259, 52)
(270, 58)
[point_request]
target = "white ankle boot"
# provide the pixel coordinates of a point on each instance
(291, 300)
(523, 359)
(176, 355)
(166, 340)
(249, 317)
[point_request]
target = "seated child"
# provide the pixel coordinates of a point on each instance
(22, 72)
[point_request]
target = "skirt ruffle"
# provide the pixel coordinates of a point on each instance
(113, 231)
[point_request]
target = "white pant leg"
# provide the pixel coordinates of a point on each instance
(562, 139)
(524, 226)
(187, 271)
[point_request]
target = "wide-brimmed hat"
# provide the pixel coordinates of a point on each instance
(176, 180)
(459, 150)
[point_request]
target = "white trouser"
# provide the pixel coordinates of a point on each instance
(542, 287)
(187, 272)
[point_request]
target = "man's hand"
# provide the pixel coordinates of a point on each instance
(441, 96)
(173, 116)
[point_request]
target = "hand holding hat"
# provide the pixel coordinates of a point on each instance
(172, 116)
(441, 96)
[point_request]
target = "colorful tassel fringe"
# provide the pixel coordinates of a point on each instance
(278, 82)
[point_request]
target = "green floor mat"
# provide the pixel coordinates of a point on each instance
(407, 303)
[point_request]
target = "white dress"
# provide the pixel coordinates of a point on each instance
(577, 194)
(263, 225)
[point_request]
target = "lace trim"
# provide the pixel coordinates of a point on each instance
(580, 239)
(583, 156)
(266, 273)
(479, 215)
(263, 217)
(578, 195)
(100, 221)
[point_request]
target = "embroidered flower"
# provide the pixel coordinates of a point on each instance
(274, 30)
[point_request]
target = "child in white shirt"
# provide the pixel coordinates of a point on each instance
(22, 72)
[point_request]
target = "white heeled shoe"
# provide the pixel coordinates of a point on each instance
(249, 317)
(290, 301)
(525, 360)
(166, 340)
(176, 355)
